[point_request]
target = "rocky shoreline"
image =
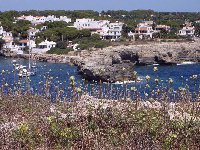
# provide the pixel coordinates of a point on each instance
(116, 63)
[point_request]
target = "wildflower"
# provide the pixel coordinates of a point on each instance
(194, 77)
(170, 80)
(134, 73)
(157, 80)
(148, 78)
(50, 119)
(6, 84)
(78, 90)
(158, 91)
(146, 94)
(72, 78)
(24, 128)
(3, 71)
(147, 86)
(155, 69)
(133, 89)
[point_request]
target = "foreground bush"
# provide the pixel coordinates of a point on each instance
(33, 122)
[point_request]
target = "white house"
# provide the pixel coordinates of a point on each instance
(187, 31)
(145, 23)
(90, 24)
(26, 43)
(162, 27)
(32, 32)
(43, 47)
(65, 19)
(43, 28)
(111, 31)
(7, 34)
(104, 28)
(1, 30)
(10, 45)
(142, 30)
(42, 19)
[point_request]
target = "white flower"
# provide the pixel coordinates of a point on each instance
(72, 78)
(148, 78)
(133, 89)
(194, 77)
(155, 69)
(78, 90)
(146, 94)
(134, 73)
(156, 80)
(170, 80)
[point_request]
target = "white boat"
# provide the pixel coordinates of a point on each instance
(187, 63)
(128, 82)
(25, 73)
(31, 71)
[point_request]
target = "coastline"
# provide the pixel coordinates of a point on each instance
(107, 64)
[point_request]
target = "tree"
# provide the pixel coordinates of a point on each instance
(20, 28)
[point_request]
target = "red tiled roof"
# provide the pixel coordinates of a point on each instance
(23, 41)
(140, 29)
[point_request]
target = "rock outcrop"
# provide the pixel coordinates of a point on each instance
(116, 63)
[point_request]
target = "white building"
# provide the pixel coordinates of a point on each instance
(1, 30)
(43, 47)
(26, 43)
(111, 31)
(145, 23)
(142, 30)
(90, 24)
(7, 34)
(65, 19)
(43, 19)
(162, 27)
(32, 32)
(104, 28)
(187, 31)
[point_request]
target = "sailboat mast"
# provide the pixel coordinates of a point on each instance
(29, 61)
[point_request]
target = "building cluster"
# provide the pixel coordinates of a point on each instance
(21, 45)
(43, 19)
(146, 29)
(105, 28)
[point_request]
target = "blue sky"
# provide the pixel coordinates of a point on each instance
(157, 5)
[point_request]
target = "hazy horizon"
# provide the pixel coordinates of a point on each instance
(100, 5)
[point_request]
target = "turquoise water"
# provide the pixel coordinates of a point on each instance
(62, 72)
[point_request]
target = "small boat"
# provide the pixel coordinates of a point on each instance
(31, 71)
(128, 82)
(14, 61)
(25, 73)
(187, 63)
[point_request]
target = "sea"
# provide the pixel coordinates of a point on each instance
(59, 76)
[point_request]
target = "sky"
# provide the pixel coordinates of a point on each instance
(157, 5)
